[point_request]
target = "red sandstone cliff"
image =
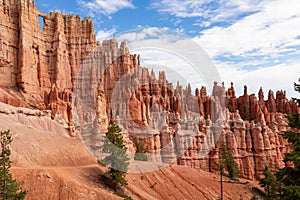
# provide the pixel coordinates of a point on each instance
(63, 68)
(41, 63)
(187, 129)
(34, 58)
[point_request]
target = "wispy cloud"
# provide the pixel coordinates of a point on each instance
(143, 34)
(275, 77)
(208, 10)
(251, 42)
(261, 49)
(262, 32)
(263, 26)
(46, 5)
(154, 45)
(105, 34)
(104, 7)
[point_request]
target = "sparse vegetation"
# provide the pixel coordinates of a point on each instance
(140, 153)
(33, 106)
(245, 112)
(117, 159)
(229, 106)
(227, 163)
(124, 196)
(9, 187)
(285, 184)
(269, 184)
(255, 198)
(288, 178)
(297, 88)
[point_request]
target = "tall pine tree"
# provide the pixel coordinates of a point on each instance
(269, 183)
(117, 158)
(289, 176)
(10, 189)
(227, 162)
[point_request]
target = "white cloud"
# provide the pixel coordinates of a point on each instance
(178, 8)
(141, 34)
(180, 57)
(265, 38)
(267, 42)
(46, 5)
(160, 51)
(105, 34)
(275, 77)
(267, 28)
(209, 10)
(105, 7)
(264, 32)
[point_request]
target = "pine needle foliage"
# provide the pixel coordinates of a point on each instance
(117, 159)
(10, 189)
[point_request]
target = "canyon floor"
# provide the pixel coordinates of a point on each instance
(53, 165)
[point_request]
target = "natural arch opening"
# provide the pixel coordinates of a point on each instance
(41, 21)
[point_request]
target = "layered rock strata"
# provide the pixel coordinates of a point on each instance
(35, 59)
(179, 127)
(60, 66)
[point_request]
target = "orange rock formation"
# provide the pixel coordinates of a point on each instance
(61, 67)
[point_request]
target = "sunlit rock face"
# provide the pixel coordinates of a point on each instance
(34, 57)
(61, 67)
(41, 63)
(177, 126)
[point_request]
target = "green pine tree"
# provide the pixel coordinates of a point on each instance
(289, 176)
(245, 112)
(140, 153)
(269, 184)
(117, 158)
(10, 189)
(228, 163)
(230, 108)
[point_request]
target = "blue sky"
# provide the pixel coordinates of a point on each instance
(252, 42)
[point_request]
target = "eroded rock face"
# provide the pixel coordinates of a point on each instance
(250, 107)
(42, 63)
(9, 97)
(38, 57)
(34, 59)
(255, 145)
(179, 127)
(184, 128)
(61, 67)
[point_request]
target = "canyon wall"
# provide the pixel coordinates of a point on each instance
(61, 67)
(33, 58)
(38, 64)
(177, 126)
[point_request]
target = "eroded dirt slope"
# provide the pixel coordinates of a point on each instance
(51, 164)
(181, 182)
(54, 165)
